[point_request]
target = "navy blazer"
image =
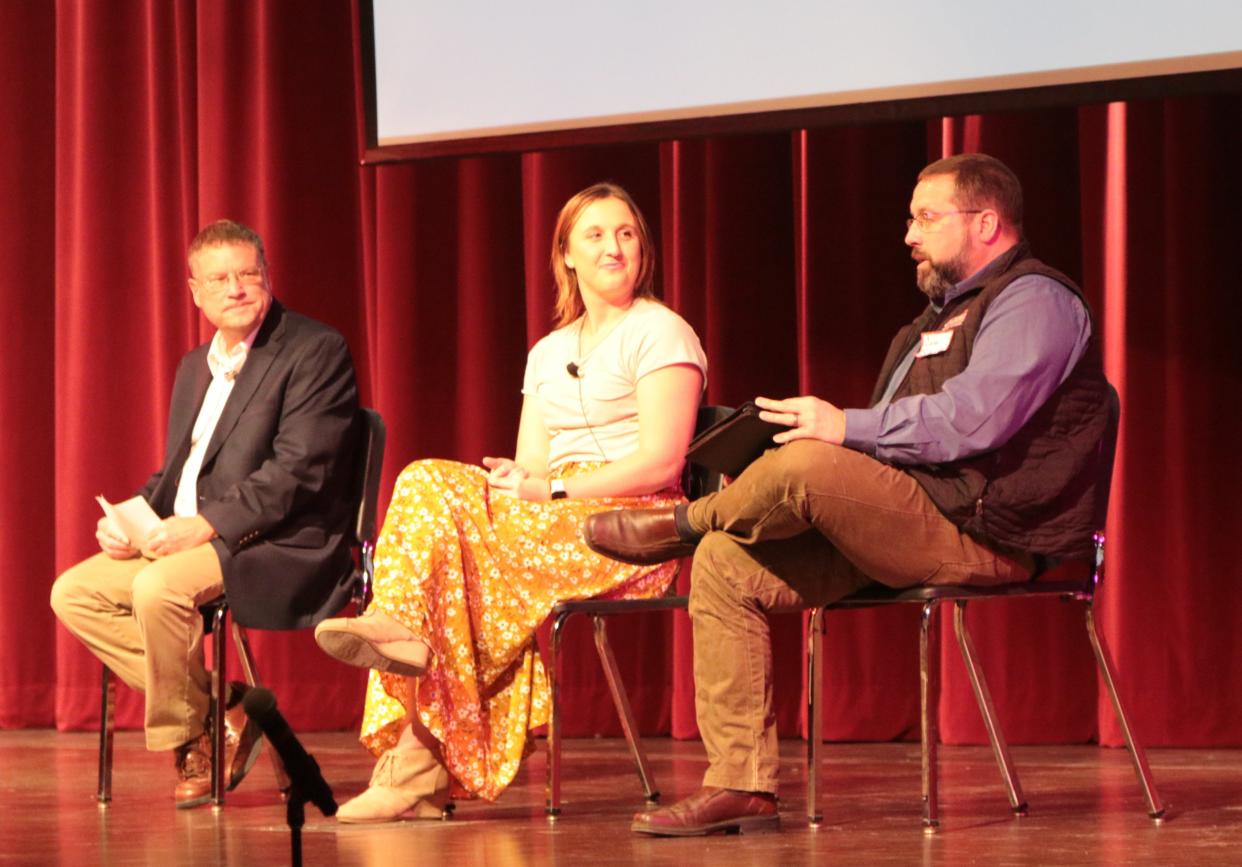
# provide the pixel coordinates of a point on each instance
(278, 473)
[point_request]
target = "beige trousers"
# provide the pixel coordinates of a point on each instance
(803, 526)
(141, 618)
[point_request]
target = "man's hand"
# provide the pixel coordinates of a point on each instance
(179, 534)
(112, 542)
(808, 417)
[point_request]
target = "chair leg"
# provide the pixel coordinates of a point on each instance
(251, 675)
(552, 788)
(983, 697)
(622, 702)
(1155, 807)
(107, 726)
(814, 713)
(242, 642)
(219, 691)
(929, 700)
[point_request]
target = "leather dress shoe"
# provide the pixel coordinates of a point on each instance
(193, 762)
(643, 537)
(711, 809)
(243, 741)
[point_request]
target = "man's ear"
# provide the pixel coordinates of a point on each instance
(989, 225)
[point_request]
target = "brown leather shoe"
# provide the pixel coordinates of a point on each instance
(243, 739)
(711, 809)
(640, 536)
(193, 760)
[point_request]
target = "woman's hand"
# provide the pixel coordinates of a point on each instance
(503, 472)
(509, 479)
(809, 417)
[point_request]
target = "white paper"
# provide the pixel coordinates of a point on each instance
(134, 519)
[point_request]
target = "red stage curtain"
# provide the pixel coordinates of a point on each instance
(133, 126)
(27, 370)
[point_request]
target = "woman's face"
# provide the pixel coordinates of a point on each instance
(603, 249)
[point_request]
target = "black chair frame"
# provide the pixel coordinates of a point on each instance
(372, 436)
(696, 481)
(929, 669)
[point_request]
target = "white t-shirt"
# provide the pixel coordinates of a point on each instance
(594, 416)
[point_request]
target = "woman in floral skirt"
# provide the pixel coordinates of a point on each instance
(472, 559)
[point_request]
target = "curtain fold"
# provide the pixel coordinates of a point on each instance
(27, 385)
(136, 123)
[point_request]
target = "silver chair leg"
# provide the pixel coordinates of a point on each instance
(251, 675)
(814, 713)
(107, 726)
(552, 787)
(242, 642)
(622, 702)
(929, 700)
(219, 691)
(1155, 807)
(983, 697)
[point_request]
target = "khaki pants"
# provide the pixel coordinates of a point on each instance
(141, 618)
(805, 525)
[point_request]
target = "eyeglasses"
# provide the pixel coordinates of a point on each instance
(220, 282)
(926, 219)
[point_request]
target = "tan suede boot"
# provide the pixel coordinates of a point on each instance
(374, 640)
(408, 783)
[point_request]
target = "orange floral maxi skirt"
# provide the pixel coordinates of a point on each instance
(474, 574)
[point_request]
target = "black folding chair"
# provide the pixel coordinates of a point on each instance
(929, 669)
(696, 481)
(366, 493)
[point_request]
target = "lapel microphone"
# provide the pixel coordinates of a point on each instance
(573, 370)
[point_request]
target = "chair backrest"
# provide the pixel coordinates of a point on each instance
(698, 480)
(1108, 455)
(372, 435)
(371, 438)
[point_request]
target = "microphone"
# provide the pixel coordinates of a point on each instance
(303, 770)
(573, 369)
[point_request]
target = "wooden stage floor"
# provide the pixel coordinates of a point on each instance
(1085, 809)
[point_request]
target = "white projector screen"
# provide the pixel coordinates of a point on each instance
(468, 70)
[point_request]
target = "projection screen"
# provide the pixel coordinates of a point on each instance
(471, 76)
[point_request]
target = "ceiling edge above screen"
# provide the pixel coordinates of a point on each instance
(1220, 72)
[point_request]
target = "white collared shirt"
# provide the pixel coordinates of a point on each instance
(224, 366)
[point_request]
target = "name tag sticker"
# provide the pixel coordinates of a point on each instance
(934, 343)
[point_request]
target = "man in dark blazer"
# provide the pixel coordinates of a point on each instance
(254, 501)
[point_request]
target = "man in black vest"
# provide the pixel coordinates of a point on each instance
(254, 499)
(978, 454)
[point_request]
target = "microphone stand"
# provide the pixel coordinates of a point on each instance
(295, 818)
(306, 783)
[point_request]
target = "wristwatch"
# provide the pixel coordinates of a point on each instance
(557, 487)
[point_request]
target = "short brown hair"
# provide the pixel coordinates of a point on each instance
(982, 181)
(568, 302)
(227, 232)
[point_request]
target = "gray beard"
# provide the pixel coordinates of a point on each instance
(939, 279)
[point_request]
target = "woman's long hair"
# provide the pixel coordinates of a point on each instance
(568, 300)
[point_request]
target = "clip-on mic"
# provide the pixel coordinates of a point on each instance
(573, 370)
